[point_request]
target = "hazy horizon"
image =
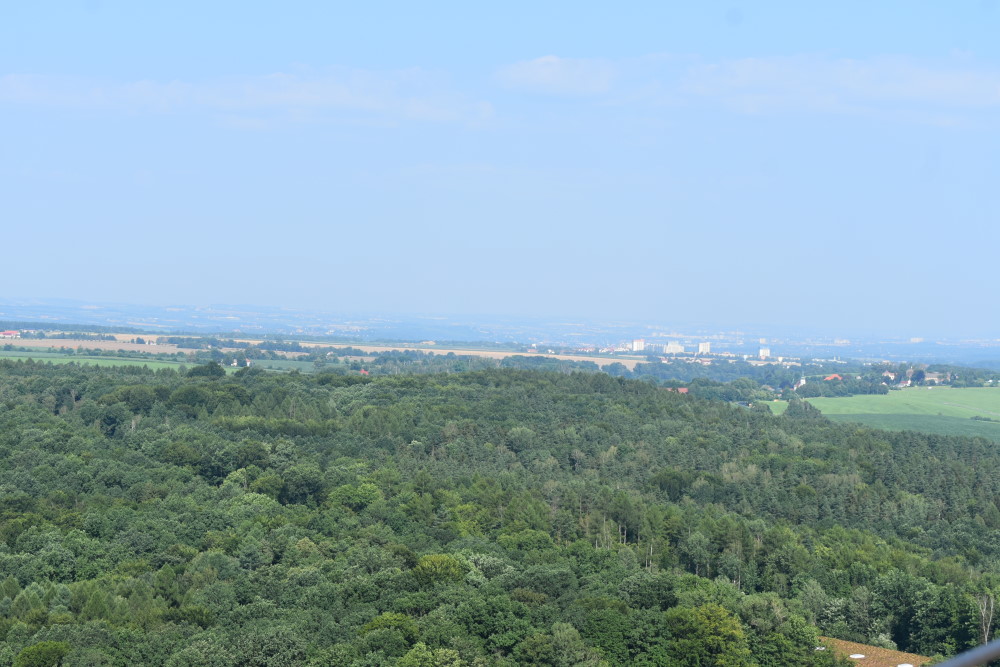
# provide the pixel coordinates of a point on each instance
(825, 167)
(277, 318)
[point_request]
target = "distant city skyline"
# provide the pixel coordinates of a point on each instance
(830, 167)
(634, 335)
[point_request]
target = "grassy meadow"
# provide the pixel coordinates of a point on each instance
(59, 357)
(943, 410)
(285, 365)
(62, 358)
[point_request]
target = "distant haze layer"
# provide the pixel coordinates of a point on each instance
(783, 165)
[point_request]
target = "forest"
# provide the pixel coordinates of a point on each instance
(486, 517)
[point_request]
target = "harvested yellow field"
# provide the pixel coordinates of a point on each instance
(873, 656)
(280, 353)
(121, 343)
(489, 354)
(74, 343)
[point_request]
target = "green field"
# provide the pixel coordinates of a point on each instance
(62, 358)
(56, 357)
(285, 365)
(929, 409)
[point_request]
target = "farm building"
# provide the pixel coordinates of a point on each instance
(10, 334)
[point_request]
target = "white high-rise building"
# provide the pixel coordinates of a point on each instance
(704, 348)
(765, 352)
(673, 348)
(638, 345)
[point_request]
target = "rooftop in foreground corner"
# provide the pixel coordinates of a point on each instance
(873, 656)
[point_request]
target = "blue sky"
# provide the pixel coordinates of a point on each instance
(767, 163)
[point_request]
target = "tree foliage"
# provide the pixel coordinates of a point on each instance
(492, 517)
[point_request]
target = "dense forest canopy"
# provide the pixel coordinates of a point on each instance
(490, 517)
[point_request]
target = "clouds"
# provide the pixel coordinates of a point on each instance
(561, 76)
(408, 94)
(810, 83)
(803, 84)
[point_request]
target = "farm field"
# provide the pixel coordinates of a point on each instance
(122, 344)
(629, 363)
(944, 410)
(284, 365)
(60, 358)
(114, 345)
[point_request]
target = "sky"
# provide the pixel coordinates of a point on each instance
(771, 163)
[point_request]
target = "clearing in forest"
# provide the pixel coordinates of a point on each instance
(873, 655)
(945, 410)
